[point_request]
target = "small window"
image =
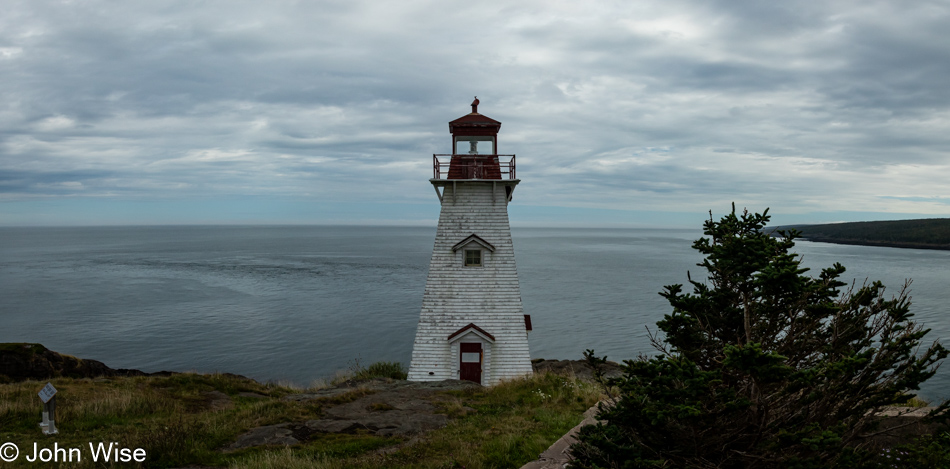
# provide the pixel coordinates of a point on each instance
(473, 257)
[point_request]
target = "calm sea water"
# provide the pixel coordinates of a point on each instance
(300, 303)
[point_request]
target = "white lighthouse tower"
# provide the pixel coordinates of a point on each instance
(472, 325)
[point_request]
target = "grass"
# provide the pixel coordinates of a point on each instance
(168, 416)
(22, 348)
(171, 417)
(916, 402)
(510, 424)
(357, 372)
(392, 370)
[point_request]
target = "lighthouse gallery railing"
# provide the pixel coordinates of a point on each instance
(473, 166)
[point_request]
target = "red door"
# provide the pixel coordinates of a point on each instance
(470, 366)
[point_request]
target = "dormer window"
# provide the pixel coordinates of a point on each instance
(474, 250)
(473, 258)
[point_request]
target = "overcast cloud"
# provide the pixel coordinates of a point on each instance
(284, 112)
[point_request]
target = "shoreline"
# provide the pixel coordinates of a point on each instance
(885, 244)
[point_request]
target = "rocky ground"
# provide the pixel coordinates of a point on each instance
(381, 406)
(23, 361)
(389, 407)
(385, 408)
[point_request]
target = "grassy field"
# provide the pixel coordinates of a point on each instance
(182, 420)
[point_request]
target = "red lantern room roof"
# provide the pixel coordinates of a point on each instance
(474, 124)
(481, 162)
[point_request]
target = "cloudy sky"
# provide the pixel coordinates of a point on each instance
(621, 113)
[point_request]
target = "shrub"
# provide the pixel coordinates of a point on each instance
(762, 366)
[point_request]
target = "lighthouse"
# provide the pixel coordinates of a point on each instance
(472, 325)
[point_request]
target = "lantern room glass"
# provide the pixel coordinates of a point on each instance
(479, 145)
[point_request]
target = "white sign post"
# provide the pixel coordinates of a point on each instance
(48, 396)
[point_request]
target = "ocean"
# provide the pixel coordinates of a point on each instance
(301, 303)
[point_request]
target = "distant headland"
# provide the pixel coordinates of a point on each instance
(926, 233)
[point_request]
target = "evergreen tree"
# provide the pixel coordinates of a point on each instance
(762, 365)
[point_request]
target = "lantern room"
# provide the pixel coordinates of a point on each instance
(474, 150)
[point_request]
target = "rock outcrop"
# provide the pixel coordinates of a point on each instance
(22, 361)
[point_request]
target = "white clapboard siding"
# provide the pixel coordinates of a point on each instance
(487, 296)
